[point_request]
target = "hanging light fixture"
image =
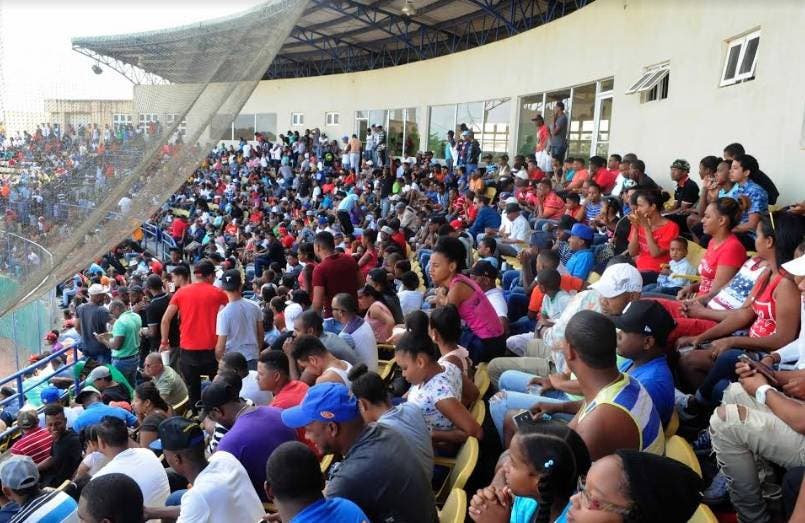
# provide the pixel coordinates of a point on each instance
(408, 9)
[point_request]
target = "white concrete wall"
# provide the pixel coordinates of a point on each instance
(607, 38)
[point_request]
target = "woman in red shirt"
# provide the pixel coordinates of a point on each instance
(725, 253)
(770, 313)
(651, 234)
(368, 260)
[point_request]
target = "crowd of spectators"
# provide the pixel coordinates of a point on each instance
(326, 301)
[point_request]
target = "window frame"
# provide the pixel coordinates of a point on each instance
(301, 118)
(741, 42)
(652, 76)
(335, 116)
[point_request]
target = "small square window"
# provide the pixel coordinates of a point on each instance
(741, 59)
(331, 118)
(653, 85)
(297, 119)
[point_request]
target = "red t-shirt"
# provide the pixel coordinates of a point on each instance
(605, 179)
(568, 283)
(336, 273)
(178, 227)
(36, 445)
(290, 395)
(553, 207)
(198, 305)
(730, 253)
(663, 236)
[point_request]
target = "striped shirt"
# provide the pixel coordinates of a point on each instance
(35, 444)
(49, 507)
(628, 394)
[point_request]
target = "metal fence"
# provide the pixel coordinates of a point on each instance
(22, 330)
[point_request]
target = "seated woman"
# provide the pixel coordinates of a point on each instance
(444, 327)
(636, 486)
(771, 313)
(377, 315)
(380, 280)
(151, 410)
(483, 335)
(436, 390)
(535, 479)
(651, 235)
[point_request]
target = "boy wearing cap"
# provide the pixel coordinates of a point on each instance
(373, 455)
(221, 489)
(643, 331)
(239, 324)
(35, 441)
(20, 480)
(582, 259)
(514, 230)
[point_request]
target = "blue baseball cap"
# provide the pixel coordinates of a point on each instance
(582, 231)
(50, 395)
(323, 402)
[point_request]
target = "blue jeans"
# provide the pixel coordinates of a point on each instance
(127, 367)
(175, 498)
(509, 279)
(657, 289)
(522, 326)
(517, 303)
(514, 395)
(719, 378)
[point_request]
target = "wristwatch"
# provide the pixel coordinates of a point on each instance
(760, 393)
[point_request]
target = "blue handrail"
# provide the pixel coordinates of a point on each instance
(18, 377)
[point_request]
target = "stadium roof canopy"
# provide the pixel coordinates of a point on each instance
(332, 36)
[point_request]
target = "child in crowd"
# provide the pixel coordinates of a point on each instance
(582, 260)
(592, 205)
(667, 283)
(561, 234)
(554, 298)
(410, 298)
(486, 251)
(573, 206)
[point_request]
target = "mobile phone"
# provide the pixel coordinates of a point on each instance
(525, 418)
(761, 368)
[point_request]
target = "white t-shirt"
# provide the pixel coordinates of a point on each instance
(251, 390)
(410, 301)
(94, 461)
(146, 470)
(222, 492)
(519, 229)
(498, 301)
(364, 343)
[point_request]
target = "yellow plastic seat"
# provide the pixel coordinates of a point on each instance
(180, 408)
(326, 462)
(491, 192)
(673, 426)
(593, 277)
(385, 351)
(481, 380)
(385, 369)
(680, 450)
(478, 411)
(703, 514)
(695, 253)
(455, 508)
(461, 468)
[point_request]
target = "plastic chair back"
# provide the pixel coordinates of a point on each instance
(703, 515)
(680, 450)
(455, 508)
(465, 463)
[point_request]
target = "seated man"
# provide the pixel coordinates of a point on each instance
(111, 497)
(253, 432)
(20, 481)
(101, 379)
(311, 323)
(274, 375)
(170, 384)
(616, 412)
(317, 364)
(221, 486)
(35, 441)
(65, 454)
(95, 410)
(356, 332)
(373, 455)
(295, 482)
(236, 362)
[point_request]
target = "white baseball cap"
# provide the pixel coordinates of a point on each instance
(618, 279)
(795, 267)
(97, 288)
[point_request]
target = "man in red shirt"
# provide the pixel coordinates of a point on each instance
(336, 273)
(602, 176)
(35, 441)
(198, 305)
(178, 228)
(549, 205)
(274, 374)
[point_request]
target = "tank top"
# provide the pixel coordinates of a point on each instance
(627, 394)
(477, 311)
(765, 307)
(462, 354)
(342, 373)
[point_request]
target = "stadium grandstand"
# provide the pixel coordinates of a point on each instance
(413, 261)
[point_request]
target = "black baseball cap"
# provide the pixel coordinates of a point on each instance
(215, 395)
(178, 433)
(231, 281)
(646, 317)
(484, 268)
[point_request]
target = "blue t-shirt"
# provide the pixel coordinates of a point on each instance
(93, 415)
(656, 378)
(523, 511)
(581, 263)
(332, 509)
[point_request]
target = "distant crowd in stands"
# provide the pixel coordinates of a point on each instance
(326, 302)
